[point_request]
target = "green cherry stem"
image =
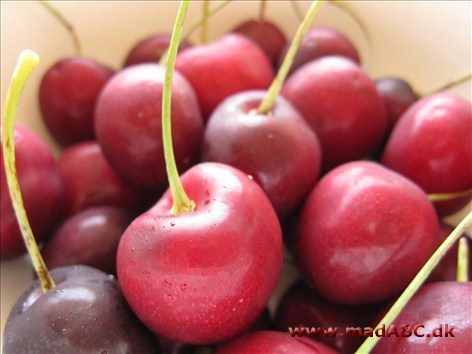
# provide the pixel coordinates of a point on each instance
(27, 61)
(53, 11)
(262, 10)
(443, 87)
(276, 86)
(181, 202)
(440, 197)
(463, 260)
(205, 15)
(417, 281)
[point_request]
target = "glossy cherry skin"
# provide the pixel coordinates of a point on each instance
(277, 148)
(41, 190)
(89, 237)
(184, 275)
(150, 49)
(363, 233)
(397, 96)
(219, 69)
(67, 96)
(273, 342)
(301, 307)
(84, 312)
(435, 304)
(321, 41)
(341, 104)
(129, 119)
(266, 34)
(89, 180)
(432, 145)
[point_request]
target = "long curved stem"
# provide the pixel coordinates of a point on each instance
(419, 279)
(27, 61)
(454, 82)
(276, 86)
(53, 11)
(463, 260)
(439, 197)
(182, 204)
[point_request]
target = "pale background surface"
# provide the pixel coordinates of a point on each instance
(424, 42)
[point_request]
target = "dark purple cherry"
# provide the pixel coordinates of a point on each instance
(150, 49)
(266, 34)
(67, 97)
(363, 233)
(41, 189)
(278, 149)
(128, 125)
(90, 237)
(84, 312)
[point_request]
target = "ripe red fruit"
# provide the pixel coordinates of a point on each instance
(41, 189)
(273, 342)
(219, 69)
(67, 97)
(89, 180)
(363, 233)
(320, 41)
(267, 36)
(342, 106)
(277, 148)
(128, 125)
(150, 49)
(204, 276)
(432, 145)
(435, 306)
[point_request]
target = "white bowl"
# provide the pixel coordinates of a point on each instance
(425, 42)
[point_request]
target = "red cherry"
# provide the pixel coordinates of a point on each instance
(186, 274)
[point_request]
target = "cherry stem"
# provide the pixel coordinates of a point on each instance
(205, 15)
(274, 89)
(454, 82)
(181, 202)
(56, 13)
(194, 26)
(262, 10)
(417, 281)
(297, 10)
(439, 197)
(27, 61)
(463, 260)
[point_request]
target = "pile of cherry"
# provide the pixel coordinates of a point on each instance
(340, 170)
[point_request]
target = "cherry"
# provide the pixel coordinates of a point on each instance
(301, 307)
(397, 96)
(342, 106)
(89, 237)
(320, 41)
(363, 233)
(277, 148)
(67, 111)
(273, 342)
(224, 274)
(84, 312)
(128, 125)
(266, 34)
(221, 68)
(41, 189)
(431, 144)
(434, 306)
(150, 49)
(89, 180)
